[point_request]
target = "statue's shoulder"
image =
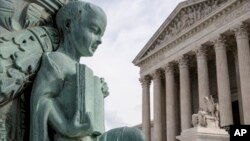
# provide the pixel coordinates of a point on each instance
(57, 61)
(52, 57)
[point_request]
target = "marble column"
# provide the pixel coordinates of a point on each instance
(146, 122)
(235, 53)
(185, 94)
(224, 93)
(242, 39)
(172, 101)
(203, 78)
(157, 130)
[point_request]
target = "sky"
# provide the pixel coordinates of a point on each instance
(131, 23)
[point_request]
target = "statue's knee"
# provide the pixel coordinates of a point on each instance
(132, 134)
(123, 134)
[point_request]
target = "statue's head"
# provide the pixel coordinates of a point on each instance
(82, 25)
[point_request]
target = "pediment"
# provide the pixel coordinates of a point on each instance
(185, 15)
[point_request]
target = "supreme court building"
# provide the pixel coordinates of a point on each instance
(201, 49)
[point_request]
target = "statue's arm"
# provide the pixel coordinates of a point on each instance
(67, 128)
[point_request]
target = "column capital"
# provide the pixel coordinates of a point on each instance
(145, 80)
(183, 61)
(169, 68)
(201, 52)
(157, 74)
(219, 42)
(241, 30)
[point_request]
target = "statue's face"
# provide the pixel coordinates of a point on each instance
(87, 32)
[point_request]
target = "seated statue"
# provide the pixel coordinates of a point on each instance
(67, 99)
(57, 102)
(208, 115)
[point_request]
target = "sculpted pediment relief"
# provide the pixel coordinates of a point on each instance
(182, 18)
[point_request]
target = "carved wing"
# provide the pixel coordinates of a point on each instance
(36, 13)
(20, 54)
(6, 13)
(41, 12)
(52, 5)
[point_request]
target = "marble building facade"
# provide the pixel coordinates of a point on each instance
(201, 49)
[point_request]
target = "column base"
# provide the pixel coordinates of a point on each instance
(203, 134)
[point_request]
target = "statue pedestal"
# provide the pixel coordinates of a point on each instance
(203, 134)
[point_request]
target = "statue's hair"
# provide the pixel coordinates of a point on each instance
(73, 11)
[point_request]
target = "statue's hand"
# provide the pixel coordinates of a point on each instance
(104, 87)
(89, 121)
(83, 128)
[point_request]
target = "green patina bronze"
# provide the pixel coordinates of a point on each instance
(46, 95)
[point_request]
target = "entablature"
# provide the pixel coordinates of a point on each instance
(189, 17)
(230, 15)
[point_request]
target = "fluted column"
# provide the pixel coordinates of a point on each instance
(172, 101)
(244, 68)
(235, 53)
(224, 93)
(146, 122)
(157, 131)
(185, 94)
(203, 80)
